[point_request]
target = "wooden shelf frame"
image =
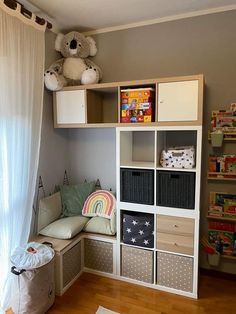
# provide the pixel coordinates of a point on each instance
(102, 103)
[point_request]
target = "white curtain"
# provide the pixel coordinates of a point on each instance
(21, 95)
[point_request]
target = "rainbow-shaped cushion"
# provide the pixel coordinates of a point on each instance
(100, 203)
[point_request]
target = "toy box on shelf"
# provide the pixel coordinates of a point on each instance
(137, 105)
(222, 205)
(225, 121)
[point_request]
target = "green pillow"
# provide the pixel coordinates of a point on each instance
(74, 196)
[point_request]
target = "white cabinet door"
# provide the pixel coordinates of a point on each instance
(70, 107)
(178, 101)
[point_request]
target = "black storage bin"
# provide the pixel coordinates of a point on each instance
(138, 229)
(137, 186)
(176, 189)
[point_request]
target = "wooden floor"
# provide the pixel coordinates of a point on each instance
(216, 296)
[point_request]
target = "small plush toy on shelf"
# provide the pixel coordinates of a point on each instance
(74, 68)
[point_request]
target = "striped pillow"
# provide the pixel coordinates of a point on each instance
(100, 203)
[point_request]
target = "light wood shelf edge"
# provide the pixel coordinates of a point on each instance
(228, 257)
(136, 82)
(220, 176)
(221, 218)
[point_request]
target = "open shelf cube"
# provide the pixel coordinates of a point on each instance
(137, 149)
(102, 105)
(169, 139)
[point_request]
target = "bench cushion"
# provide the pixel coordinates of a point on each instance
(100, 225)
(65, 228)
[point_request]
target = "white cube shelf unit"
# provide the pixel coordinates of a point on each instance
(176, 101)
(173, 200)
(170, 195)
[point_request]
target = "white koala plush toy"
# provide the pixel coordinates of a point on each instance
(74, 68)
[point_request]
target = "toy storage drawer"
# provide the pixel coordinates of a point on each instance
(138, 229)
(175, 225)
(71, 261)
(137, 264)
(175, 271)
(137, 186)
(175, 243)
(176, 189)
(98, 255)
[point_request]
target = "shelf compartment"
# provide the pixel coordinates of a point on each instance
(175, 225)
(175, 271)
(102, 105)
(170, 139)
(138, 229)
(137, 186)
(137, 104)
(175, 243)
(98, 255)
(137, 264)
(137, 148)
(176, 189)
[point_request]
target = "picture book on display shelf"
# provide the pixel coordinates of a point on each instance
(224, 121)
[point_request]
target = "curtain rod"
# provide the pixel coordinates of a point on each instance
(12, 4)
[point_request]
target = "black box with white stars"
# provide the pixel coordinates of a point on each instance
(138, 229)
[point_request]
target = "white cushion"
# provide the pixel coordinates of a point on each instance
(65, 228)
(99, 225)
(50, 209)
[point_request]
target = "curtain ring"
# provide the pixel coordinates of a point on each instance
(33, 17)
(18, 7)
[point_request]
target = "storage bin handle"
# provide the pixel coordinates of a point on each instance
(15, 272)
(136, 173)
(174, 176)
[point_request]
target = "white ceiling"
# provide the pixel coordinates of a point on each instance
(100, 15)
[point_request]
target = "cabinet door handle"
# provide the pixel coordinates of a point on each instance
(175, 226)
(175, 244)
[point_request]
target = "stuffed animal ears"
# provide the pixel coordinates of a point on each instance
(58, 42)
(92, 46)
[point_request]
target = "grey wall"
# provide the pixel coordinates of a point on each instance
(205, 44)
(92, 155)
(54, 142)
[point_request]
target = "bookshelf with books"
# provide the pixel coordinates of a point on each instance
(222, 222)
(221, 213)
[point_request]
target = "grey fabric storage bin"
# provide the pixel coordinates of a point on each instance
(98, 255)
(138, 229)
(71, 263)
(175, 271)
(137, 186)
(137, 264)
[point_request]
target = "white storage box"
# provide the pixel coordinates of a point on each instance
(178, 157)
